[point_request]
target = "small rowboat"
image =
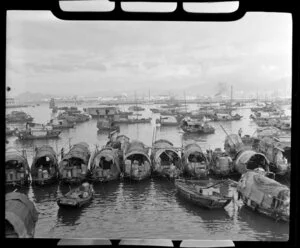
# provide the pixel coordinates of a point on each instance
(77, 197)
(202, 192)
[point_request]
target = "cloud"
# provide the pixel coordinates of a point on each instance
(43, 52)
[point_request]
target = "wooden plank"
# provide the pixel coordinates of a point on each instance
(146, 242)
(206, 243)
(79, 242)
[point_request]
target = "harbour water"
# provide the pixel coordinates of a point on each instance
(148, 209)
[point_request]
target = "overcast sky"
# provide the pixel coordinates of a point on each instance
(48, 55)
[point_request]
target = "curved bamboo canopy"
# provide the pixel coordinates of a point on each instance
(45, 151)
(79, 150)
(244, 157)
(191, 148)
(109, 154)
(11, 154)
(161, 146)
(136, 147)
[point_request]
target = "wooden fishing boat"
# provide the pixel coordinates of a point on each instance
(277, 153)
(226, 117)
(119, 142)
(107, 125)
(264, 195)
(189, 125)
(168, 120)
(132, 120)
(18, 117)
(77, 197)
(194, 161)
(136, 108)
(16, 168)
(73, 166)
(44, 134)
(104, 165)
(37, 131)
(44, 168)
(220, 163)
(20, 216)
(137, 162)
(154, 110)
(249, 160)
(61, 124)
(204, 193)
(74, 116)
(166, 159)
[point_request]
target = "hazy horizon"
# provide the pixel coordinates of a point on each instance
(51, 56)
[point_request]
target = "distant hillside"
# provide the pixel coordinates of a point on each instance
(31, 97)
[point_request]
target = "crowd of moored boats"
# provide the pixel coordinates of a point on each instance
(253, 165)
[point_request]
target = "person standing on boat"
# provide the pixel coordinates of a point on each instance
(240, 132)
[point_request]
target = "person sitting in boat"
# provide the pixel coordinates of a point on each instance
(84, 188)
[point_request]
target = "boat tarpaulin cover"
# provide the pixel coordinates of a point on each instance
(267, 131)
(259, 188)
(21, 213)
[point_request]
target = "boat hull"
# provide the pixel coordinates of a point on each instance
(267, 212)
(41, 182)
(201, 200)
(132, 121)
(168, 124)
(74, 203)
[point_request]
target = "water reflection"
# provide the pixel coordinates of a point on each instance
(137, 192)
(45, 193)
(69, 216)
(261, 224)
(21, 189)
(106, 192)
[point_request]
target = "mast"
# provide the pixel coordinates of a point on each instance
(256, 97)
(231, 96)
(185, 102)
